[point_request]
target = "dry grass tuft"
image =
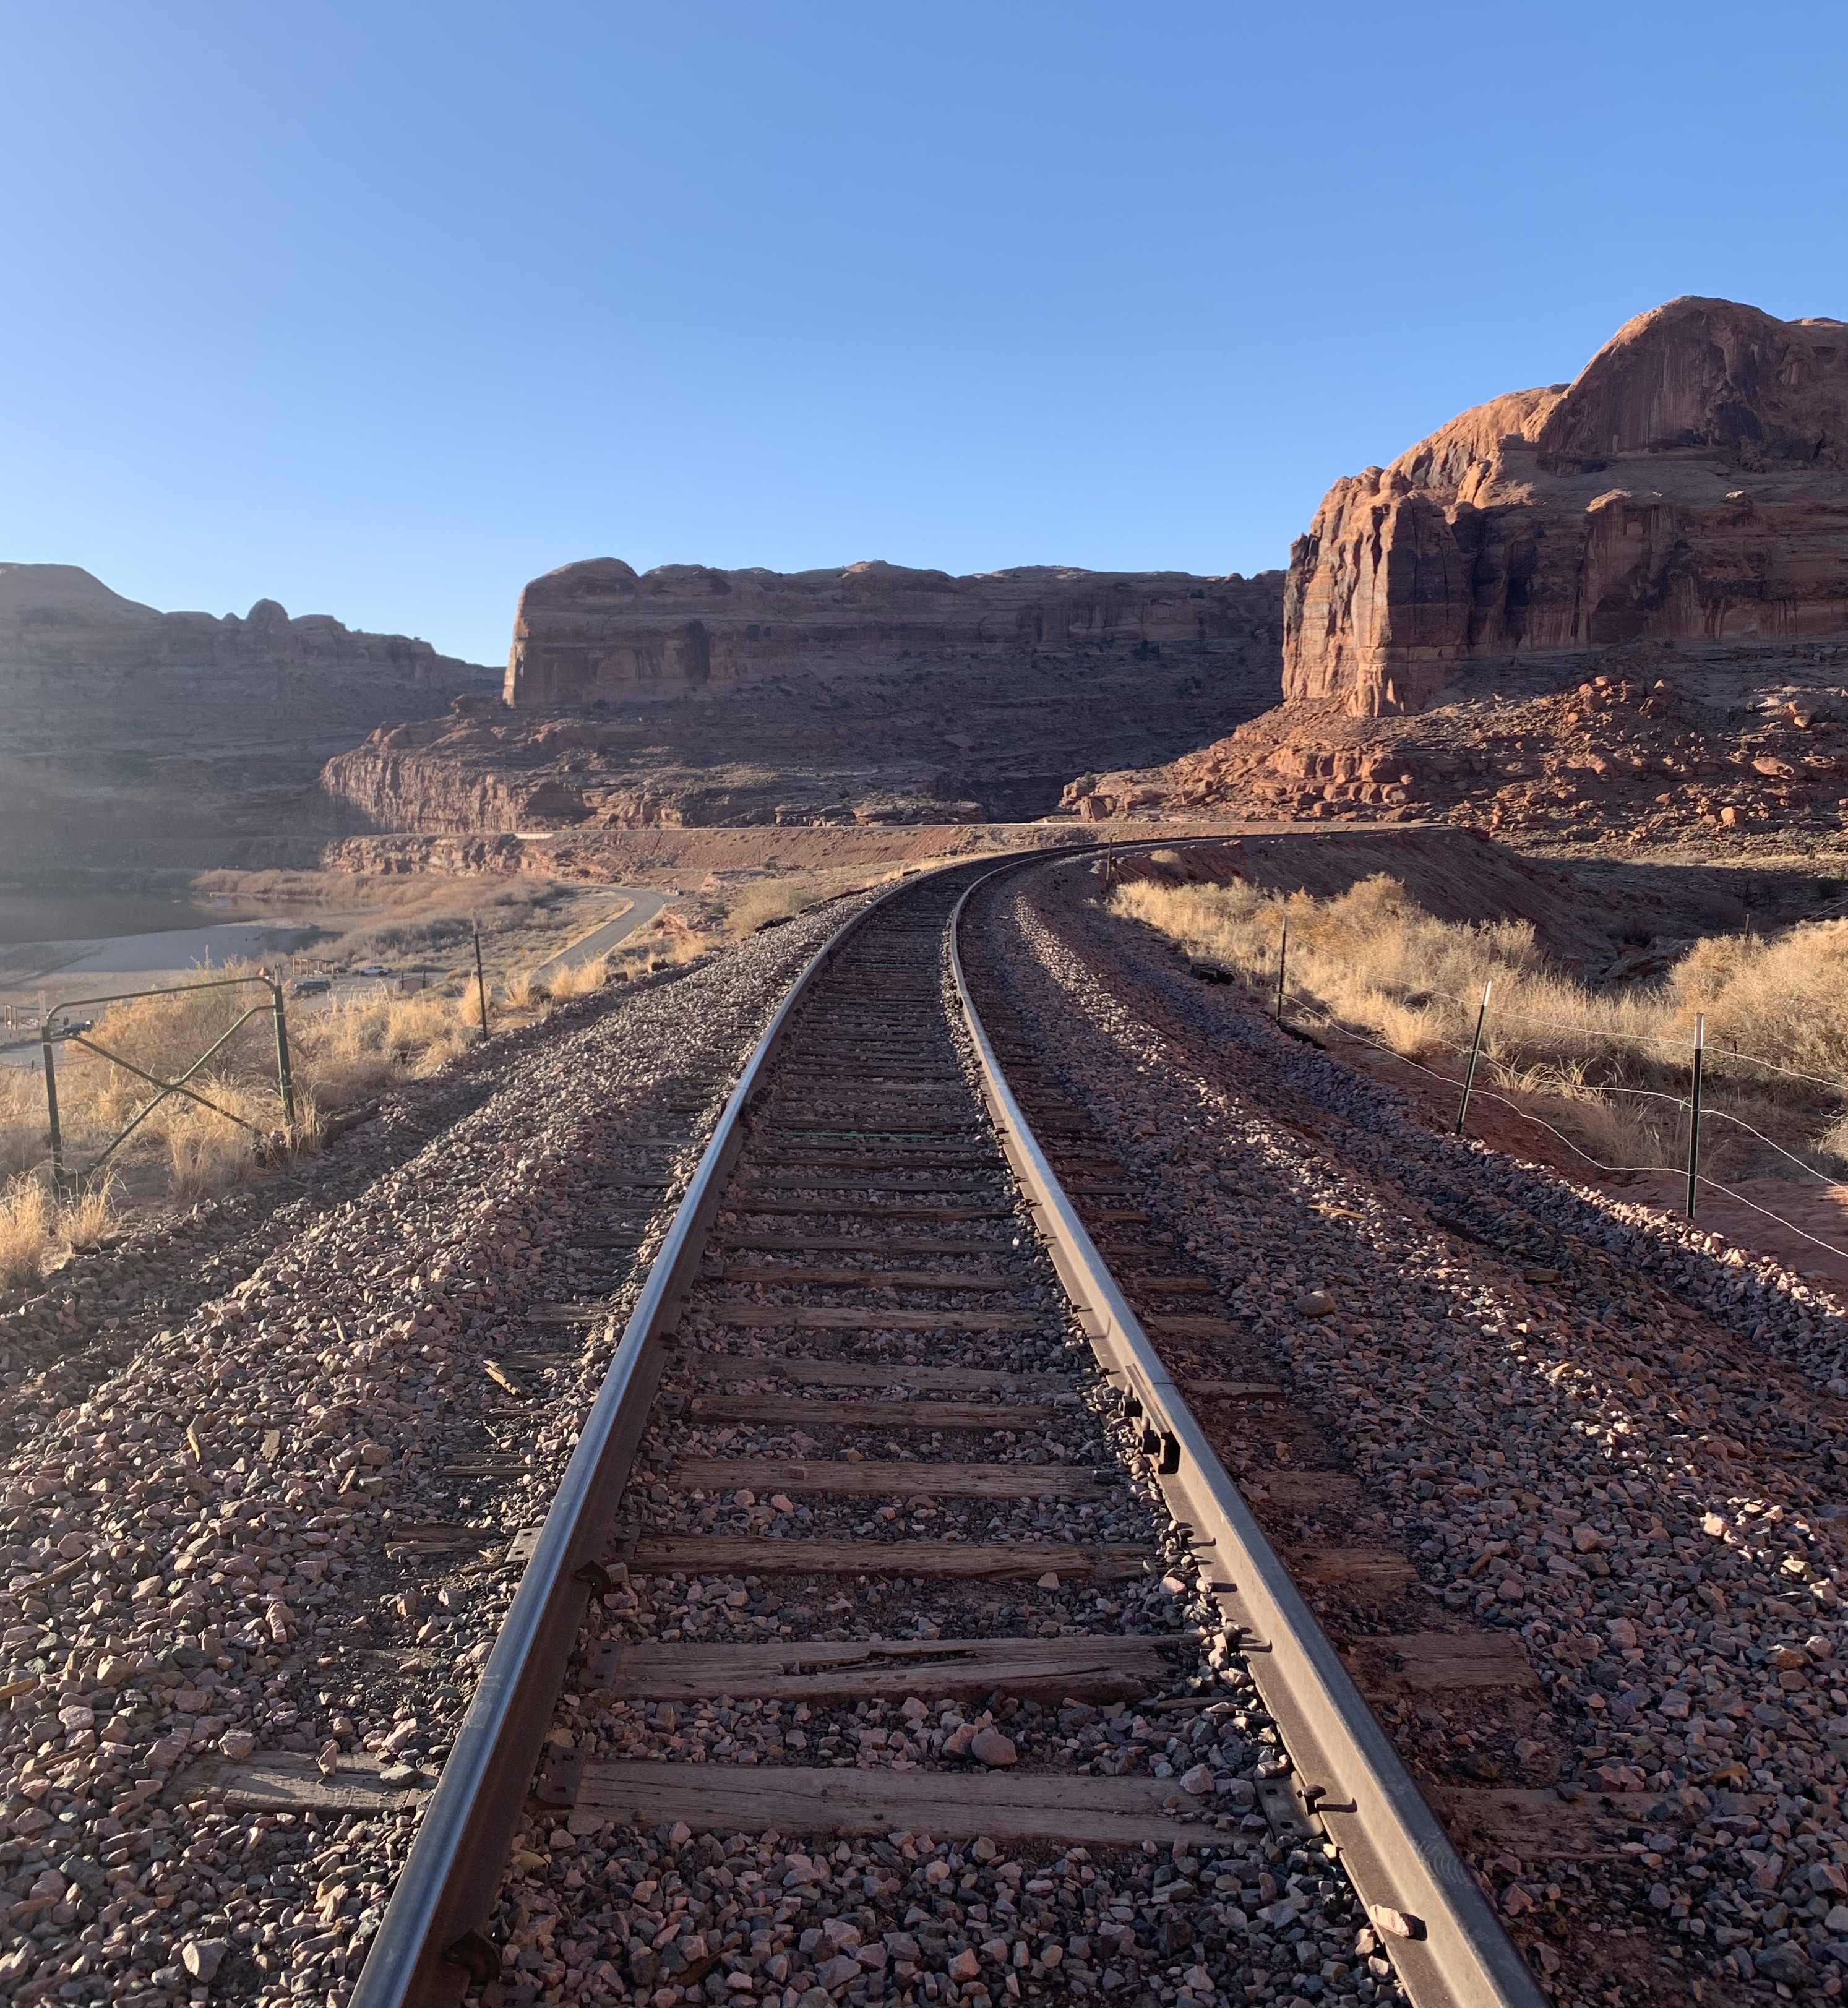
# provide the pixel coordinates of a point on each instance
(86, 1219)
(207, 1155)
(583, 979)
(774, 899)
(520, 992)
(1605, 1066)
(24, 1137)
(26, 1239)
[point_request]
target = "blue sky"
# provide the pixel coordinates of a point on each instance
(382, 308)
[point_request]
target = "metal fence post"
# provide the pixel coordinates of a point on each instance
(1693, 1113)
(480, 980)
(1469, 1078)
(1282, 958)
(51, 1107)
(285, 1080)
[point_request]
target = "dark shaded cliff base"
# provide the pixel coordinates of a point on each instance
(133, 738)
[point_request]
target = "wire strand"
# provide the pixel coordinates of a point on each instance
(1584, 1036)
(1540, 1123)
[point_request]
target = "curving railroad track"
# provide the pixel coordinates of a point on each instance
(897, 1633)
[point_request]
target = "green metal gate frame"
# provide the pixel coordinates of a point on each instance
(73, 1035)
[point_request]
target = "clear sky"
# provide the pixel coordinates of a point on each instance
(380, 309)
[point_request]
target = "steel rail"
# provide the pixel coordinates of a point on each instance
(430, 1945)
(1444, 1941)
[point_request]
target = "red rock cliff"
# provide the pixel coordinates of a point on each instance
(1691, 484)
(600, 629)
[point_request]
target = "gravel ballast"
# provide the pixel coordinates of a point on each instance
(1604, 1431)
(261, 1475)
(593, 1910)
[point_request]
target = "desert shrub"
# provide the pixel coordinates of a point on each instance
(85, 1217)
(1607, 1067)
(1785, 997)
(583, 979)
(772, 900)
(207, 1154)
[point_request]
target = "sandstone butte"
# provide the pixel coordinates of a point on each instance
(56, 618)
(1690, 484)
(690, 696)
(1618, 604)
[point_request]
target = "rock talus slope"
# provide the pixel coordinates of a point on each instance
(1691, 484)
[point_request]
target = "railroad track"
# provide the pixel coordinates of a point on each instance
(888, 1495)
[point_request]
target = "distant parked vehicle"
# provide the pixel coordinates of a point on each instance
(375, 969)
(312, 986)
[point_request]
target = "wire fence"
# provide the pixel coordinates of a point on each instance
(1589, 1036)
(1690, 1170)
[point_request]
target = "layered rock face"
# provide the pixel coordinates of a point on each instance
(599, 629)
(129, 736)
(1690, 486)
(687, 697)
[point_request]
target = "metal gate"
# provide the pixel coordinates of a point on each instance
(61, 1027)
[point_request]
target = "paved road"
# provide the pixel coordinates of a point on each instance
(643, 906)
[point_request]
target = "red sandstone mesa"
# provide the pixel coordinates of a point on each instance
(599, 629)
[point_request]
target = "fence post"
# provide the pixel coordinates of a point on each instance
(1282, 958)
(480, 980)
(1469, 1078)
(44, 1038)
(285, 1079)
(1693, 1113)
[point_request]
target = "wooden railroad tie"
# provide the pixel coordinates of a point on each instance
(1371, 1568)
(871, 1479)
(795, 1411)
(887, 1174)
(875, 1373)
(953, 1561)
(826, 1672)
(1435, 1662)
(831, 1244)
(1183, 1326)
(1006, 1805)
(823, 1317)
(868, 1211)
(872, 1279)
